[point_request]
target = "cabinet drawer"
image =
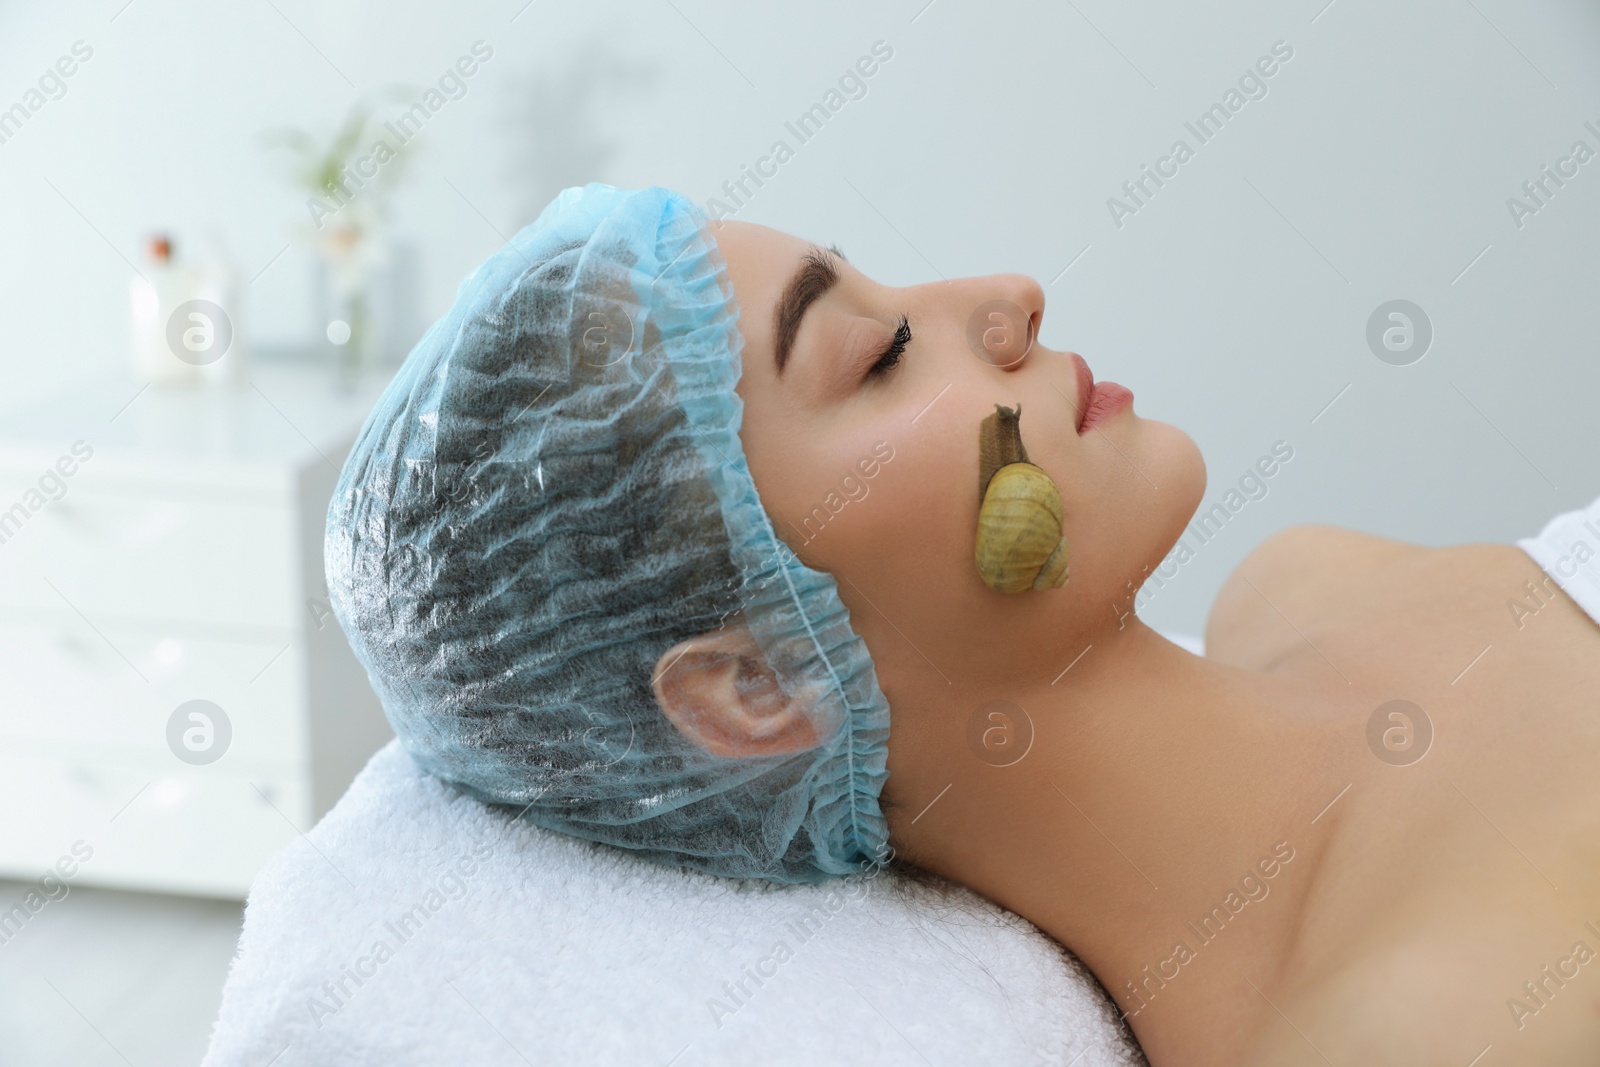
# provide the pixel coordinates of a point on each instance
(150, 556)
(66, 683)
(196, 831)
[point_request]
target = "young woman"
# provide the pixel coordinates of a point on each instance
(1362, 829)
(1407, 905)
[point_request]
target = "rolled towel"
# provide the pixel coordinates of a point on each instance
(416, 925)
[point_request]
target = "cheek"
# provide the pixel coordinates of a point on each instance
(828, 492)
(891, 516)
(903, 560)
(903, 554)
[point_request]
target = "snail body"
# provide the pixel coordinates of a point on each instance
(1019, 543)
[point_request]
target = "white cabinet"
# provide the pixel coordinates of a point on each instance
(161, 545)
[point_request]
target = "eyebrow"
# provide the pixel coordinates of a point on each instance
(818, 272)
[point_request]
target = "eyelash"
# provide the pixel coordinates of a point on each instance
(891, 355)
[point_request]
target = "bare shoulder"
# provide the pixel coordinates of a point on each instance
(1293, 571)
(1285, 555)
(1349, 586)
(1435, 999)
(1385, 1009)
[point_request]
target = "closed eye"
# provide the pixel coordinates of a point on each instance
(890, 357)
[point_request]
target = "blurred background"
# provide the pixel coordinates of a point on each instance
(1375, 254)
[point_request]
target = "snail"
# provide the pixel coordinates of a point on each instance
(1019, 545)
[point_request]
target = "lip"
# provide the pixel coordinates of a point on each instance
(1097, 401)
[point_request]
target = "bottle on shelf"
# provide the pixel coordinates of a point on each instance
(184, 328)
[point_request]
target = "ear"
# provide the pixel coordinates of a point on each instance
(718, 691)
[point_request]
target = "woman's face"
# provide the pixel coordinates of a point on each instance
(867, 462)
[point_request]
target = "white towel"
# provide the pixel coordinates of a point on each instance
(1568, 548)
(503, 943)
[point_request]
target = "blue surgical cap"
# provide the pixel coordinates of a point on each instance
(549, 495)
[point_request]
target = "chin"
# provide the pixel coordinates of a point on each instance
(1179, 471)
(1123, 531)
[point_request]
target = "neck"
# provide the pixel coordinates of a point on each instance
(1166, 800)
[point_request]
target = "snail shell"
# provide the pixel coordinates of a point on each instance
(1019, 543)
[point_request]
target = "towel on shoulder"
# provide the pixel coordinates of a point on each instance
(1568, 549)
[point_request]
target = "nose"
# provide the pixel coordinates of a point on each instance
(1004, 325)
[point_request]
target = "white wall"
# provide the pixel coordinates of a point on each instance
(991, 141)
